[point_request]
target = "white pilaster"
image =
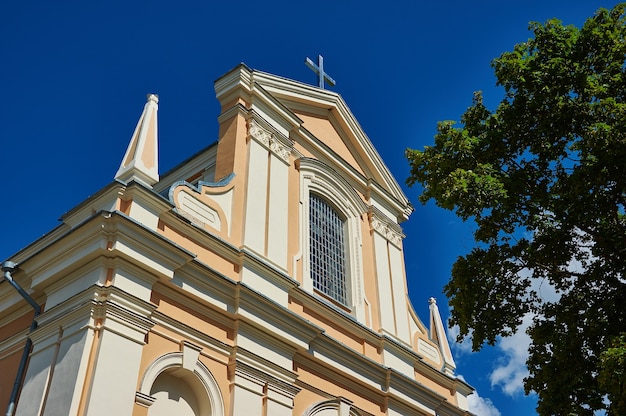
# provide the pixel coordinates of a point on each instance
(256, 198)
(123, 325)
(278, 215)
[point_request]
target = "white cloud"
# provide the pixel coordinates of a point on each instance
(482, 406)
(511, 366)
(462, 347)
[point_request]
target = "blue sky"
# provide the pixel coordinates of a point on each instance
(74, 76)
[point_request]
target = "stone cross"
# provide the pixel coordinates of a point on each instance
(319, 70)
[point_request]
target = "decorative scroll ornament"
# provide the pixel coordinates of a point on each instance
(269, 140)
(391, 232)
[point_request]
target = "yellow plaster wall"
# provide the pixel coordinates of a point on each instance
(232, 157)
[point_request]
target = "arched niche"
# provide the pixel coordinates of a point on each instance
(174, 384)
(333, 407)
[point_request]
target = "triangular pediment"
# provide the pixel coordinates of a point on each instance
(321, 126)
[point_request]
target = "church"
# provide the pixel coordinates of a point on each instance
(262, 276)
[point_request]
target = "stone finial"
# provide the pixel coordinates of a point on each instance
(140, 163)
(438, 335)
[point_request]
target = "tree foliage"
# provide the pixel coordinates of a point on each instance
(544, 178)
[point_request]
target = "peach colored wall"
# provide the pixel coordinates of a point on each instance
(324, 130)
(16, 325)
(232, 155)
(8, 370)
(11, 361)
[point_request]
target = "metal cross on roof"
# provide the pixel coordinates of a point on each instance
(319, 70)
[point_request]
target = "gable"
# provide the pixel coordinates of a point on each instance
(320, 125)
(322, 128)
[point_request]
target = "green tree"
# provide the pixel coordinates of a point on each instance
(543, 176)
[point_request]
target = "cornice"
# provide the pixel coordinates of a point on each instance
(13, 344)
(84, 210)
(12, 304)
(269, 271)
(138, 192)
(107, 234)
(241, 83)
(213, 295)
(327, 370)
(404, 208)
(267, 103)
(338, 315)
(404, 389)
(252, 305)
(186, 332)
(355, 364)
(73, 218)
(228, 85)
(11, 311)
(236, 110)
(148, 248)
(252, 367)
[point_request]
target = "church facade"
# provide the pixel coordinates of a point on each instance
(263, 276)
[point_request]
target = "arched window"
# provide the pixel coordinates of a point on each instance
(332, 215)
(327, 249)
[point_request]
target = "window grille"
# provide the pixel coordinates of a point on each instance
(327, 250)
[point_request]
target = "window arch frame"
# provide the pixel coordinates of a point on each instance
(321, 180)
